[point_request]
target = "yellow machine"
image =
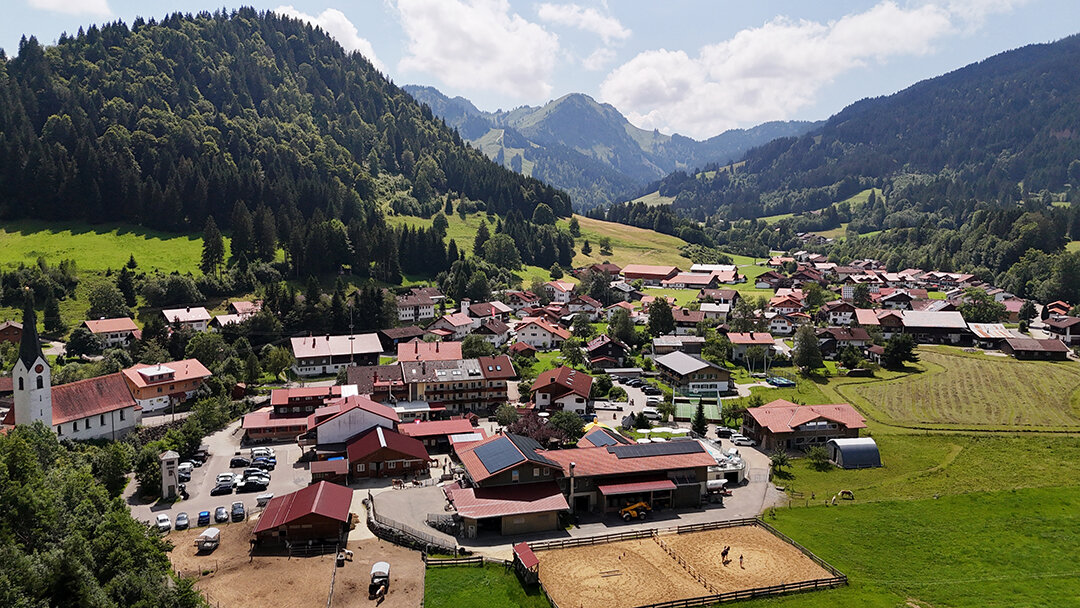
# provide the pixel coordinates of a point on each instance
(637, 510)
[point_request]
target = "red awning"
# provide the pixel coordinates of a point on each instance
(635, 487)
(525, 554)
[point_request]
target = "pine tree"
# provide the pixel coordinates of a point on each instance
(575, 228)
(243, 232)
(698, 423)
(131, 263)
(53, 322)
(586, 248)
(213, 250)
(125, 282)
(482, 236)
(807, 351)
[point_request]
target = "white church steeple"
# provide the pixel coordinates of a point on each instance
(31, 377)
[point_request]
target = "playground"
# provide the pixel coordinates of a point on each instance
(669, 567)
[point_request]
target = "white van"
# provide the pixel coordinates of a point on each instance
(262, 451)
(651, 413)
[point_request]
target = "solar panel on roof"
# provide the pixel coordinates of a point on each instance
(498, 455)
(600, 439)
(528, 447)
(668, 448)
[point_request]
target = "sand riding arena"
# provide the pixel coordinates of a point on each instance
(670, 566)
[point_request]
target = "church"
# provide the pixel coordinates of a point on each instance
(95, 408)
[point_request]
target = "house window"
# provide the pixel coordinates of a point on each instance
(75, 426)
(86, 423)
(159, 389)
(536, 471)
(515, 476)
(102, 420)
(360, 467)
(40, 382)
(391, 465)
(21, 387)
(59, 429)
(121, 414)
(547, 472)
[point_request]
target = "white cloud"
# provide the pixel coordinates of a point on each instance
(768, 72)
(974, 12)
(598, 59)
(74, 7)
(478, 44)
(335, 23)
(587, 19)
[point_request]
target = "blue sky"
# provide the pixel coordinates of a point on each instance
(696, 67)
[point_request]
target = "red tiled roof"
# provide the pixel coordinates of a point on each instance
(782, 416)
(554, 330)
(102, 326)
(499, 501)
(418, 350)
(433, 428)
(647, 271)
(324, 498)
(188, 369)
(521, 347)
(526, 556)
(599, 461)
(633, 487)
(1052, 345)
(90, 397)
(7, 384)
(347, 404)
(282, 396)
(497, 368)
(563, 380)
(379, 438)
(685, 315)
(339, 466)
(190, 314)
(264, 419)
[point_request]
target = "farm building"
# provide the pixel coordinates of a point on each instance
(691, 375)
(855, 453)
(383, 452)
(1030, 348)
(319, 512)
(649, 275)
(319, 355)
(784, 425)
(435, 434)
(992, 335)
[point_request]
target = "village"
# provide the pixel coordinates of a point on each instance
(515, 429)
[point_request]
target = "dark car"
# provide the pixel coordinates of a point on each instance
(239, 462)
(183, 476)
(253, 484)
(204, 518)
(221, 514)
(181, 522)
(222, 488)
(651, 390)
(238, 513)
(724, 432)
(265, 464)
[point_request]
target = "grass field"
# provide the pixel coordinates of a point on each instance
(99, 247)
(479, 587)
(999, 549)
(962, 390)
(654, 198)
(1072, 246)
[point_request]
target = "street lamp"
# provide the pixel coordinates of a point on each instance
(572, 501)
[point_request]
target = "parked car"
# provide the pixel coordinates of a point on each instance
(221, 488)
(724, 432)
(221, 514)
(263, 451)
(651, 413)
(182, 476)
(182, 521)
(740, 440)
(238, 513)
(265, 464)
(227, 478)
(253, 484)
(185, 467)
(163, 523)
(239, 462)
(204, 518)
(651, 390)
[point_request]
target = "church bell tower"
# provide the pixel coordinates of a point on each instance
(31, 377)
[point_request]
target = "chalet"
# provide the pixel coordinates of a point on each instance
(490, 310)
(245, 308)
(382, 452)
(1012, 309)
(114, 333)
(715, 312)
(1066, 328)
(891, 322)
(832, 340)
(195, 318)
(605, 352)
(612, 270)
(219, 322)
(319, 512)
(649, 275)
(418, 350)
(935, 327)
(287, 416)
(686, 320)
(895, 299)
(510, 488)
(414, 308)
(466, 385)
(771, 280)
(691, 345)
(391, 337)
(843, 272)
(610, 311)
(780, 324)
(1031, 348)
(541, 334)
(562, 388)
(522, 349)
(785, 304)
(1058, 308)
(779, 261)
(323, 355)
(782, 425)
(838, 312)
(689, 375)
(517, 300)
(156, 387)
(741, 342)
(691, 280)
(591, 307)
(457, 325)
(625, 291)
(807, 274)
(719, 296)
(11, 331)
(559, 291)
(494, 332)
(666, 475)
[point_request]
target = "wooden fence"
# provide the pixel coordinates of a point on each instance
(746, 594)
(590, 540)
(422, 538)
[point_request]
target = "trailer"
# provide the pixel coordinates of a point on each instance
(208, 540)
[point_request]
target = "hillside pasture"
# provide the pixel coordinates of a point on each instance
(99, 247)
(973, 391)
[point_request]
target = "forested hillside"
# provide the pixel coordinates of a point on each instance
(257, 120)
(588, 148)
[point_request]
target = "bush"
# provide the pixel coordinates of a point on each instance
(819, 458)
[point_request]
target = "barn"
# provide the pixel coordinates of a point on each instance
(319, 512)
(857, 453)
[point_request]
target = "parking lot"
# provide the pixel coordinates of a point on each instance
(288, 476)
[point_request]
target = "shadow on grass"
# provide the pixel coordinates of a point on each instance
(32, 227)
